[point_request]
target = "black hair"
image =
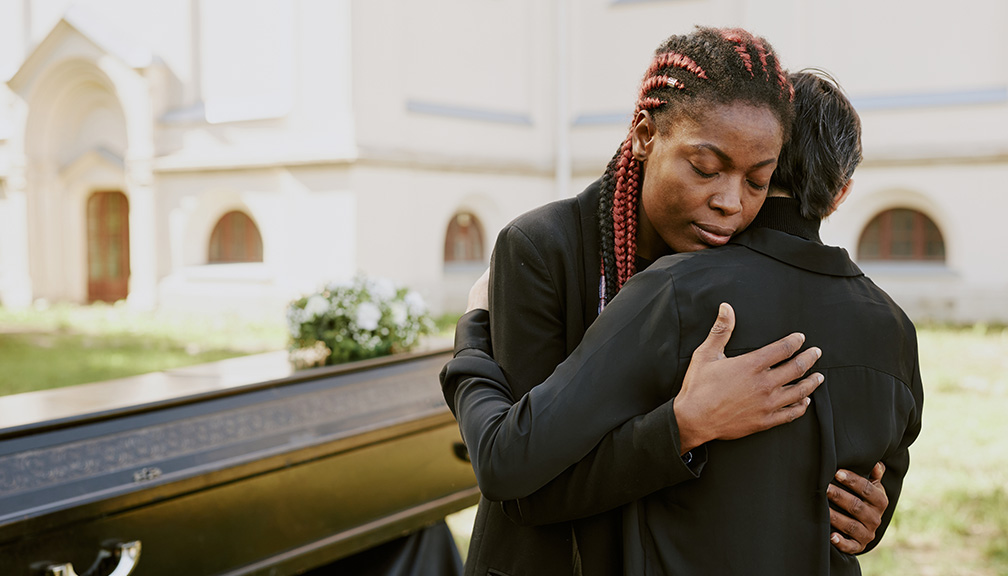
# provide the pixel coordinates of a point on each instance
(825, 144)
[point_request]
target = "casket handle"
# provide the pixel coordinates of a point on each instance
(128, 553)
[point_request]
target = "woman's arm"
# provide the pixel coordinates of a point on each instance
(626, 366)
(530, 341)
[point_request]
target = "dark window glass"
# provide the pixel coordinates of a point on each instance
(464, 239)
(901, 234)
(235, 238)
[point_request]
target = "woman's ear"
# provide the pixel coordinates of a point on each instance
(642, 135)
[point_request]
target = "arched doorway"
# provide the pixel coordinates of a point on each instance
(107, 246)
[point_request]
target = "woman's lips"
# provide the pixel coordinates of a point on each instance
(713, 235)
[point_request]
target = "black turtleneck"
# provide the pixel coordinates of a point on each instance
(784, 214)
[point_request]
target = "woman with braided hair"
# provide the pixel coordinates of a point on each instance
(712, 114)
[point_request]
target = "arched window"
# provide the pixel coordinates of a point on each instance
(901, 234)
(235, 238)
(464, 239)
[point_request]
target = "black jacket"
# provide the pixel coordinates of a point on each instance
(742, 516)
(544, 295)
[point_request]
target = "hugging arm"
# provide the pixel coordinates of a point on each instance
(517, 447)
(625, 367)
(638, 457)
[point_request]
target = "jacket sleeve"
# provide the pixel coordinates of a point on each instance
(898, 463)
(611, 378)
(637, 458)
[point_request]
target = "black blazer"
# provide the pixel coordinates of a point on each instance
(742, 516)
(544, 294)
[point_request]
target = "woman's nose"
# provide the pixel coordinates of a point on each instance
(728, 199)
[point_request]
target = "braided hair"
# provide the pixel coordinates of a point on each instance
(689, 74)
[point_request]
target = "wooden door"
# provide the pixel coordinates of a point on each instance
(108, 246)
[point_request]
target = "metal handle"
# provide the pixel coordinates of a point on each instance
(128, 553)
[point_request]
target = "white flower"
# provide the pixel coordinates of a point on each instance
(399, 314)
(338, 285)
(316, 306)
(415, 303)
(382, 290)
(368, 316)
(296, 317)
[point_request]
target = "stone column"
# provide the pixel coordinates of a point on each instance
(142, 234)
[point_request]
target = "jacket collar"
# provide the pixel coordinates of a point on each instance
(780, 232)
(784, 214)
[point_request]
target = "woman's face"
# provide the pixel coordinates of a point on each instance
(705, 178)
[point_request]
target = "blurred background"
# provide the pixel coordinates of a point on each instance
(174, 172)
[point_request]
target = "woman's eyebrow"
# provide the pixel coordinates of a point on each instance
(728, 159)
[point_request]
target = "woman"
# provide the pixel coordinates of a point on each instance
(712, 114)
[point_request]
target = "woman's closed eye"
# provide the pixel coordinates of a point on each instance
(702, 173)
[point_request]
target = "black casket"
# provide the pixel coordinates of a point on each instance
(274, 477)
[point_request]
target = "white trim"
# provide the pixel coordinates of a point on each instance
(466, 113)
(995, 95)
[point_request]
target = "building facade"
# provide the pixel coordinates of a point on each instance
(234, 154)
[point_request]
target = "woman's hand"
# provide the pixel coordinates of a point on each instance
(479, 294)
(865, 500)
(726, 398)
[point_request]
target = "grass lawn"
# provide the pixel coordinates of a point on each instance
(66, 345)
(952, 518)
(33, 361)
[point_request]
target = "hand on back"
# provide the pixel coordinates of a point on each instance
(727, 398)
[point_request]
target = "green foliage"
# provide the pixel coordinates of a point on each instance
(363, 319)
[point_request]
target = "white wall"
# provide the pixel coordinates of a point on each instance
(351, 131)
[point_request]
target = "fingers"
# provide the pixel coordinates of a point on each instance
(876, 473)
(857, 484)
(845, 500)
(850, 536)
(845, 544)
(801, 390)
(792, 412)
(865, 502)
(774, 353)
(717, 339)
(796, 367)
(872, 493)
(795, 399)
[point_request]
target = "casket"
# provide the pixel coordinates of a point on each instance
(277, 476)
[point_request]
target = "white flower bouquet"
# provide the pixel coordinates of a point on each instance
(362, 319)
